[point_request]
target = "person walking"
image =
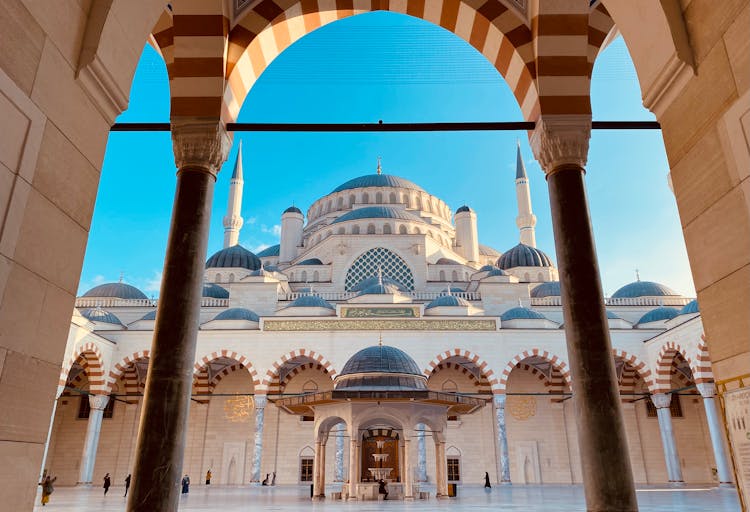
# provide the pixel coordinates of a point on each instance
(107, 483)
(185, 484)
(47, 488)
(127, 485)
(487, 480)
(208, 477)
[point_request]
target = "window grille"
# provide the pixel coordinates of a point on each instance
(377, 260)
(306, 469)
(454, 469)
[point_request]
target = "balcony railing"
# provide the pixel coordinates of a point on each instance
(103, 302)
(611, 301)
(341, 296)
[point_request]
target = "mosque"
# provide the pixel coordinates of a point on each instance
(380, 338)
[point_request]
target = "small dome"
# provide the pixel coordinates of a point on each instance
(380, 289)
(237, 314)
(271, 268)
(293, 209)
(378, 180)
(215, 291)
(151, 315)
(523, 255)
(274, 250)
(486, 250)
(381, 368)
(690, 308)
(463, 208)
(370, 281)
(310, 301)
(643, 289)
(657, 314)
(100, 315)
(449, 301)
(311, 261)
(548, 289)
(488, 268)
(453, 289)
(118, 290)
(496, 272)
(521, 313)
(235, 256)
(446, 261)
(378, 212)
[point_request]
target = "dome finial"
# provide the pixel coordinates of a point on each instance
(379, 169)
(380, 339)
(122, 275)
(520, 304)
(637, 275)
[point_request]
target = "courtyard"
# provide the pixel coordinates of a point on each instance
(540, 498)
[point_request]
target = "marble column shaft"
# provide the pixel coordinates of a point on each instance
(664, 415)
(421, 453)
(503, 468)
(353, 468)
(560, 144)
(408, 472)
(200, 147)
(716, 431)
(260, 402)
(441, 462)
(97, 404)
(339, 468)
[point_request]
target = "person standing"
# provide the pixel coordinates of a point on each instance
(382, 488)
(487, 480)
(185, 484)
(208, 477)
(127, 484)
(107, 483)
(47, 488)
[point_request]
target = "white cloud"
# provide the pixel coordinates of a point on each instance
(154, 283)
(258, 248)
(275, 230)
(98, 279)
(251, 220)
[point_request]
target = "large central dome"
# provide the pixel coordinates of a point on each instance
(378, 180)
(380, 368)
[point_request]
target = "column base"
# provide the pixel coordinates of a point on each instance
(679, 483)
(351, 498)
(84, 484)
(507, 482)
(408, 498)
(727, 485)
(320, 497)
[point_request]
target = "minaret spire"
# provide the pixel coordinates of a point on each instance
(233, 219)
(526, 220)
(380, 168)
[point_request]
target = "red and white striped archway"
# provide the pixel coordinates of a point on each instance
(561, 372)
(202, 384)
(702, 371)
(664, 362)
(484, 367)
(120, 369)
(640, 367)
(93, 364)
(301, 353)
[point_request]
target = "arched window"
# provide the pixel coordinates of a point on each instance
(352, 200)
(379, 198)
(450, 386)
(402, 230)
(340, 202)
(540, 277)
(330, 206)
(455, 276)
(379, 259)
(309, 387)
(365, 198)
(329, 233)
(231, 278)
(218, 278)
(526, 277)
(342, 231)
(417, 231)
(316, 276)
(393, 199)
(304, 276)
(386, 229)
(442, 275)
(371, 229)
(355, 230)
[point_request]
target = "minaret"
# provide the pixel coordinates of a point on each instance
(467, 239)
(526, 220)
(233, 219)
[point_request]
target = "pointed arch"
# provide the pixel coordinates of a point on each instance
(273, 372)
(640, 367)
(559, 375)
(119, 369)
(93, 364)
(666, 360)
(702, 371)
(204, 380)
(483, 367)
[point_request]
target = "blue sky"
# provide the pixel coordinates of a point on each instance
(399, 69)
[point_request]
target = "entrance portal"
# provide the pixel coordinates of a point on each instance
(380, 456)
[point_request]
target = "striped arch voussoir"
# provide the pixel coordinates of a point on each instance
(487, 372)
(639, 366)
(702, 371)
(93, 363)
(664, 363)
(121, 368)
(558, 364)
(273, 372)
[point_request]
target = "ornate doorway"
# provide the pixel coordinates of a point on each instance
(380, 452)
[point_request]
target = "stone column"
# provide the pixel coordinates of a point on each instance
(260, 402)
(408, 472)
(661, 402)
(441, 463)
(200, 148)
(339, 468)
(319, 468)
(421, 454)
(90, 444)
(560, 144)
(715, 429)
(353, 467)
(503, 463)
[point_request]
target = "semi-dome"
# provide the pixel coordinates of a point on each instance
(496, 272)
(380, 367)
(523, 255)
(662, 313)
(118, 290)
(310, 261)
(100, 315)
(151, 315)
(310, 301)
(548, 289)
(235, 256)
(378, 212)
(690, 308)
(274, 250)
(521, 313)
(237, 314)
(215, 291)
(446, 261)
(293, 209)
(486, 250)
(378, 180)
(612, 316)
(643, 289)
(463, 208)
(370, 281)
(450, 301)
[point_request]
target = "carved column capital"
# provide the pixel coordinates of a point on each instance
(561, 140)
(98, 402)
(499, 401)
(661, 400)
(706, 389)
(200, 144)
(260, 401)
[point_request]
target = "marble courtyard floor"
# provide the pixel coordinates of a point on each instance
(470, 498)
